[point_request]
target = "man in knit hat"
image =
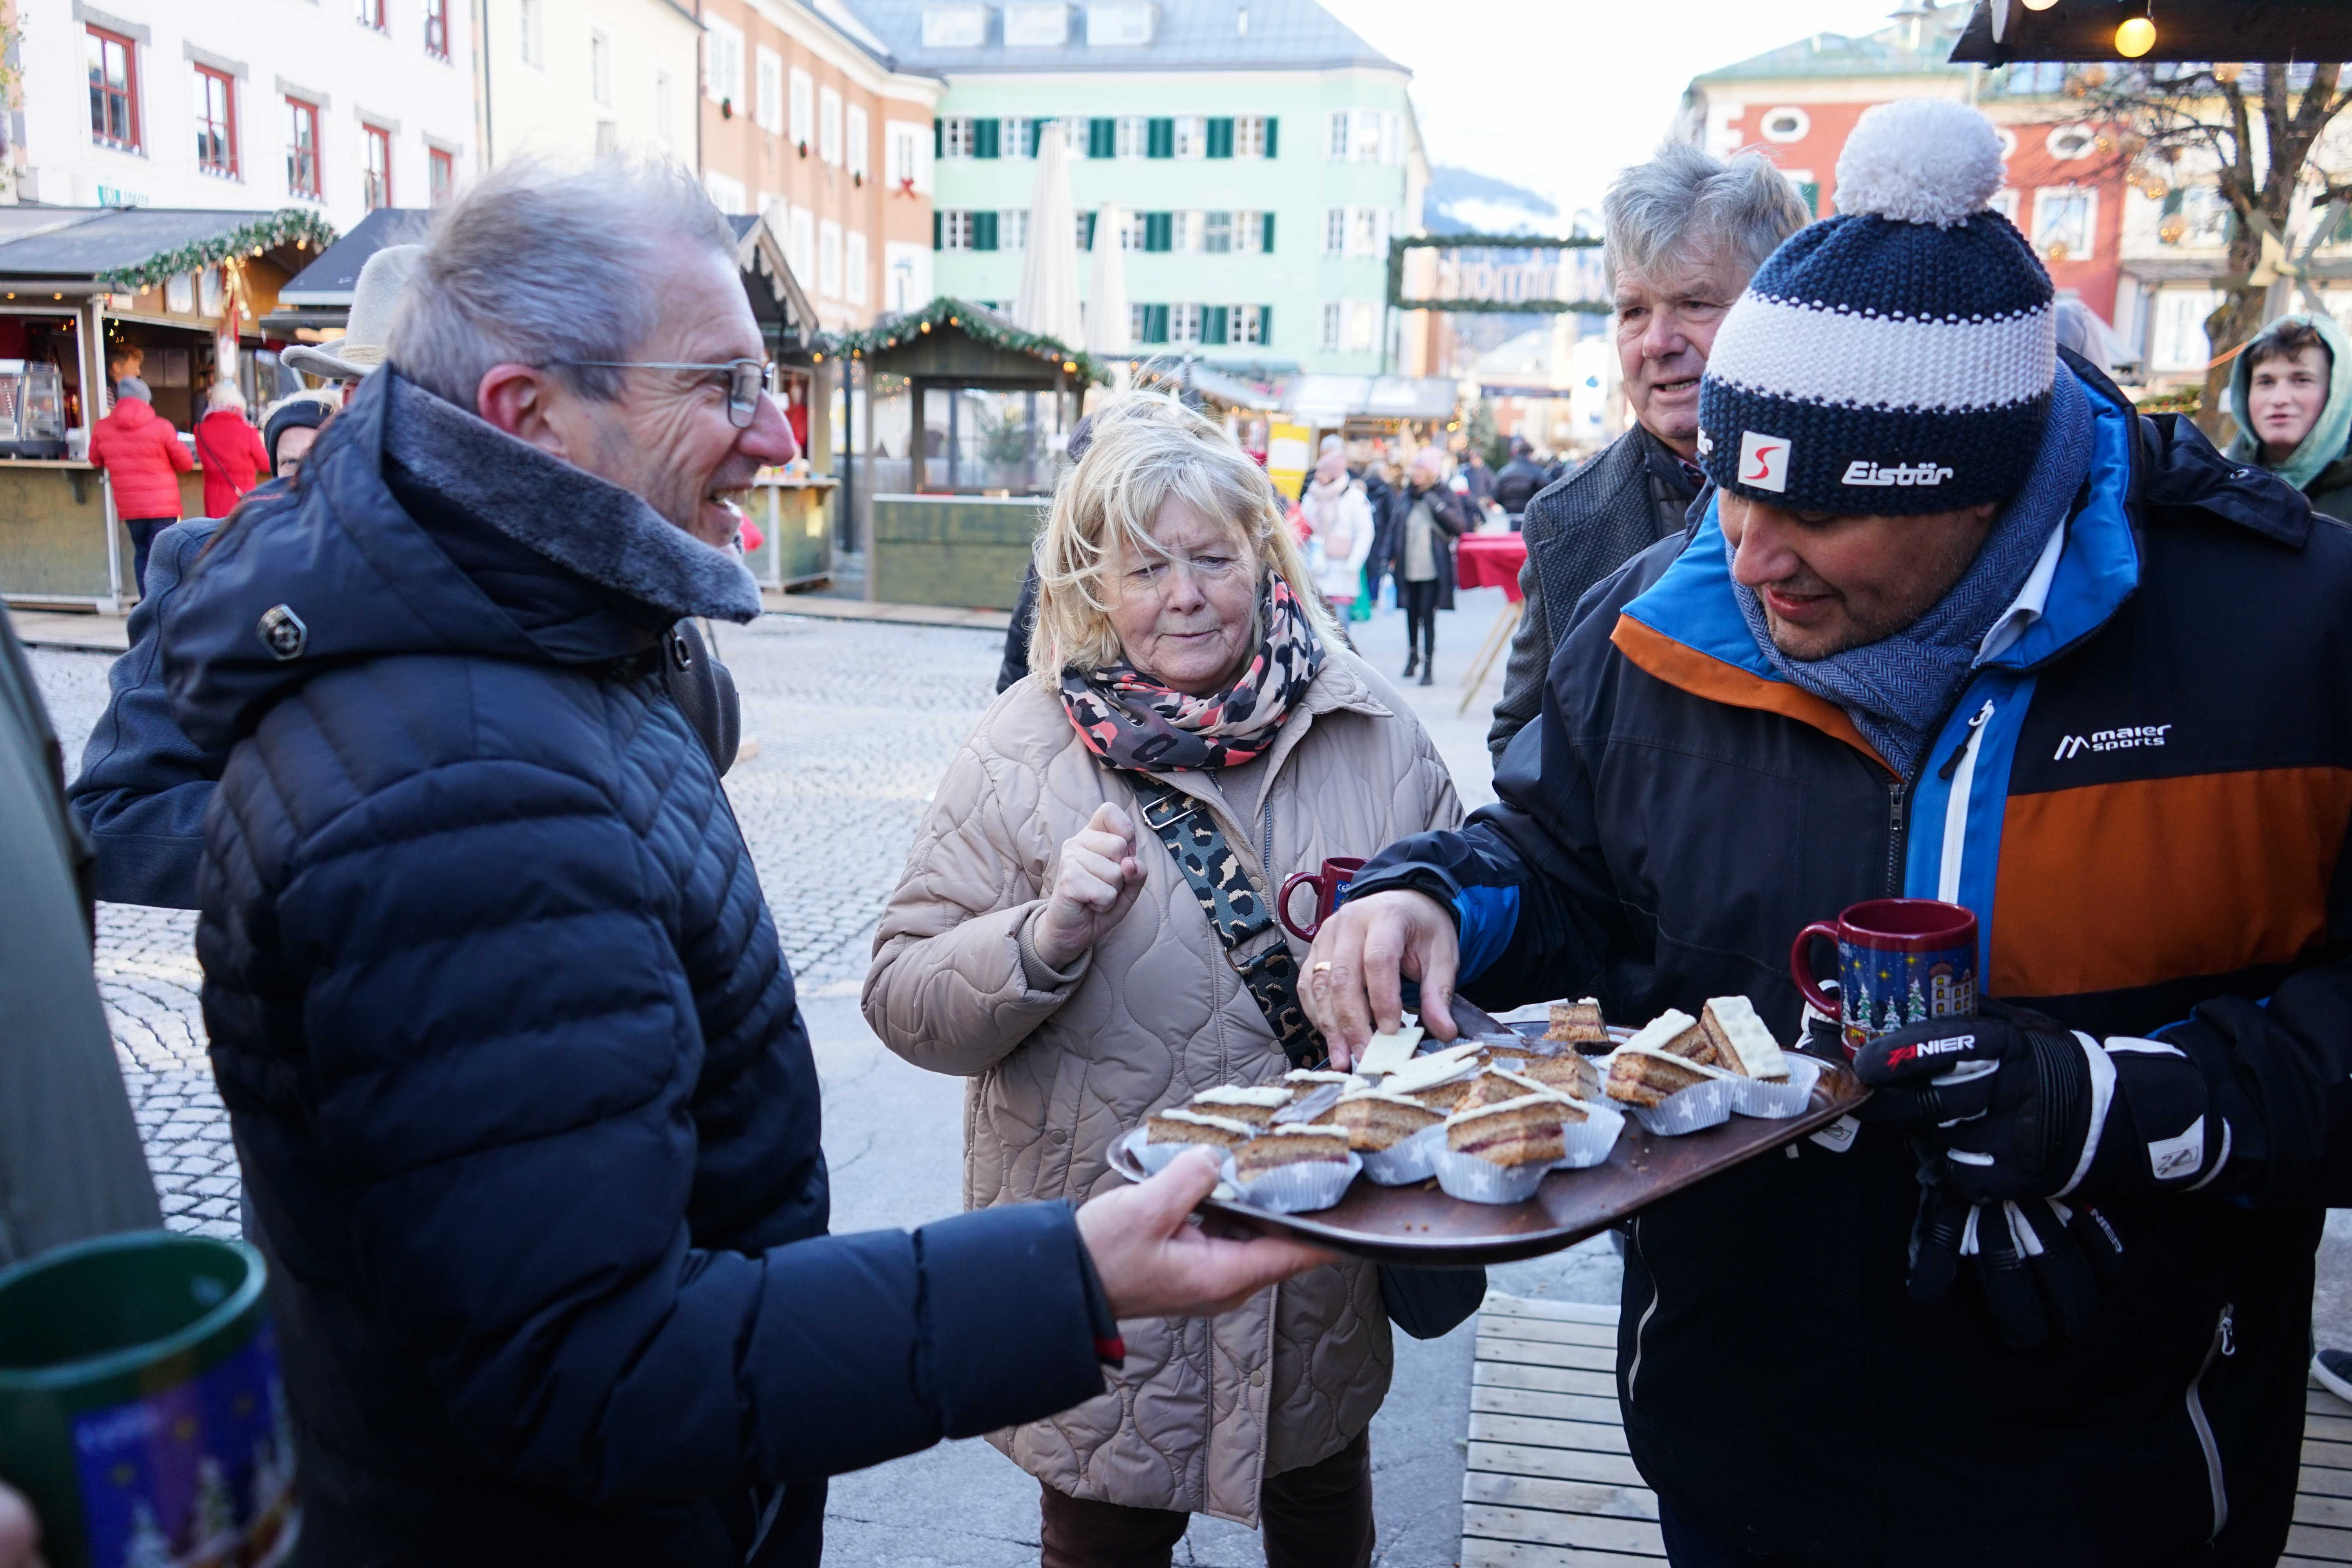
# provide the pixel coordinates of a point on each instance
(1955, 623)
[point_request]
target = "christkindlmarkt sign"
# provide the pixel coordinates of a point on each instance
(1499, 272)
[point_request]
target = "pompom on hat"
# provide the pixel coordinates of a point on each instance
(1896, 358)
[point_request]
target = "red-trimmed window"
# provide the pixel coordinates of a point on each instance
(377, 143)
(113, 89)
(440, 175)
(371, 14)
(301, 149)
(437, 28)
(216, 123)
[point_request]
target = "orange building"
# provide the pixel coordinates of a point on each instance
(807, 118)
(1798, 103)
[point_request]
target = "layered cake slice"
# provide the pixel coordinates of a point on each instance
(1566, 1073)
(1289, 1145)
(1742, 1044)
(1255, 1106)
(1304, 1081)
(1579, 1024)
(1522, 1132)
(1440, 1080)
(1677, 1034)
(1376, 1118)
(1176, 1126)
(1642, 1075)
(1498, 1084)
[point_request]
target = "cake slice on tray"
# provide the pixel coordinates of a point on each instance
(1289, 1145)
(1439, 1080)
(1741, 1043)
(1522, 1132)
(1641, 1075)
(1179, 1126)
(1579, 1024)
(1254, 1105)
(1377, 1119)
(1567, 1073)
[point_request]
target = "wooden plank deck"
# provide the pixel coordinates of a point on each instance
(1550, 1486)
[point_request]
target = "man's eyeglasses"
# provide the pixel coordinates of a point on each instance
(746, 380)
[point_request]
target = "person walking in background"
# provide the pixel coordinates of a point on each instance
(1340, 520)
(1681, 235)
(2288, 393)
(229, 448)
(1429, 517)
(1380, 492)
(141, 455)
(1039, 947)
(1521, 478)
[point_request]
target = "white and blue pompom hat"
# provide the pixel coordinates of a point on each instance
(1896, 358)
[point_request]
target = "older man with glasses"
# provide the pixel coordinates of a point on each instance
(523, 1094)
(1681, 235)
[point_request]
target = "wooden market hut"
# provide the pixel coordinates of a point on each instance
(955, 523)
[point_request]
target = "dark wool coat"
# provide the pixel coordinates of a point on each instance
(523, 1099)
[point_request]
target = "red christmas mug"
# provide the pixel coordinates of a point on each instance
(1900, 961)
(1329, 884)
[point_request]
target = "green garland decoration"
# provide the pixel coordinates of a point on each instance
(283, 226)
(1397, 247)
(973, 323)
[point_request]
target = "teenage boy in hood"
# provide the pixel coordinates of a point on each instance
(2288, 394)
(1957, 623)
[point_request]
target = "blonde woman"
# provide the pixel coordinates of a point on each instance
(1045, 945)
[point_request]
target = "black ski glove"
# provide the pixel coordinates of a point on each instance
(2037, 1262)
(2020, 1107)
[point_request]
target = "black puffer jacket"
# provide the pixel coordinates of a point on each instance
(2148, 820)
(519, 1082)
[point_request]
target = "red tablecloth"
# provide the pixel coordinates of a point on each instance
(1490, 560)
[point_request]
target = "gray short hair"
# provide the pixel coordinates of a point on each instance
(538, 262)
(1686, 205)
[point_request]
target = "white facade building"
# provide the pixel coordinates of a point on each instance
(582, 77)
(342, 105)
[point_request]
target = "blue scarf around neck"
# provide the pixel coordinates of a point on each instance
(1895, 687)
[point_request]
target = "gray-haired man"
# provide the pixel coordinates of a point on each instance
(1681, 234)
(520, 1085)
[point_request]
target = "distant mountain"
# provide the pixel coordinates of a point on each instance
(1462, 201)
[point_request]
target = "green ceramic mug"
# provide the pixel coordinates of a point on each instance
(141, 1408)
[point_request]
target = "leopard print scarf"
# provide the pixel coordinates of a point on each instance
(1131, 720)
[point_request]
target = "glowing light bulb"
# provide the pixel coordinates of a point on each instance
(2135, 37)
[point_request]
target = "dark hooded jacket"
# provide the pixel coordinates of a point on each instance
(2144, 799)
(519, 1086)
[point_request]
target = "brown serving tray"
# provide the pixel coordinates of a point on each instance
(1420, 1224)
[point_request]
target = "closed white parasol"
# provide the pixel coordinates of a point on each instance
(1106, 289)
(1049, 266)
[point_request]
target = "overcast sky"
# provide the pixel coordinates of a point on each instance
(1557, 95)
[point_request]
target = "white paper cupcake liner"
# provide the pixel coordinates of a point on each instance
(1588, 1141)
(1408, 1160)
(1296, 1188)
(1476, 1181)
(1779, 1101)
(1705, 1104)
(1157, 1157)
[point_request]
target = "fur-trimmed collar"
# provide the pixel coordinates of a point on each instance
(582, 523)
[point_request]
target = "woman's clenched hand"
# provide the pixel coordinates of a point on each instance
(1093, 887)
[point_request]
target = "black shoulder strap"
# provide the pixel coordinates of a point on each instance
(1238, 911)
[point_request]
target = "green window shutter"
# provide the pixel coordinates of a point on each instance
(1102, 138)
(1156, 235)
(1221, 137)
(1155, 324)
(1265, 232)
(1159, 139)
(935, 228)
(983, 231)
(984, 138)
(1212, 324)
(1809, 193)
(1266, 313)
(939, 138)
(1089, 220)
(1270, 124)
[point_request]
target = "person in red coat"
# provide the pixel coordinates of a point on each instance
(229, 448)
(142, 456)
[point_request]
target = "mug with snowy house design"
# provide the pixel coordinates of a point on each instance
(1900, 961)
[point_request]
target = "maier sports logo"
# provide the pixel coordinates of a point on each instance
(1763, 461)
(2121, 740)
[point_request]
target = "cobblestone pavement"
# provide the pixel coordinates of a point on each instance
(853, 722)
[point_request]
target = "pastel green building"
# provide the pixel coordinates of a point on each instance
(1263, 156)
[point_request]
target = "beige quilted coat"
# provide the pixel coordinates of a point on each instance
(1202, 1410)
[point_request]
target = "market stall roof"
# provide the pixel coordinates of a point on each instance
(95, 248)
(777, 298)
(2185, 30)
(330, 280)
(1216, 386)
(952, 341)
(1334, 399)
